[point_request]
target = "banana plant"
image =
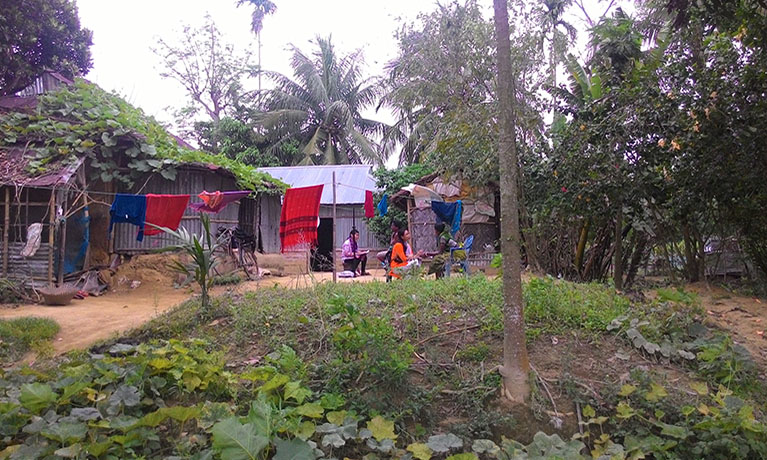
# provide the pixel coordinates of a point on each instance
(201, 249)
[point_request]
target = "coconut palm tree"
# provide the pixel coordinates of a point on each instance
(261, 8)
(320, 107)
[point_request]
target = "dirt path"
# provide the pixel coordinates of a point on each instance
(90, 320)
(744, 317)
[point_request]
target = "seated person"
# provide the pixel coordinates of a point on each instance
(442, 256)
(395, 228)
(402, 257)
(352, 256)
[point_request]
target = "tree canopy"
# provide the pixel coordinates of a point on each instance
(321, 108)
(40, 35)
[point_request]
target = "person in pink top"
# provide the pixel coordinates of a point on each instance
(352, 257)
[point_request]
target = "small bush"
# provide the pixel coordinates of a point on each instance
(10, 292)
(18, 336)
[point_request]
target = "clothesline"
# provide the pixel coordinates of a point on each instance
(92, 192)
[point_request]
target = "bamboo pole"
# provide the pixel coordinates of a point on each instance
(63, 241)
(413, 240)
(6, 224)
(51, 241)
(334, 227)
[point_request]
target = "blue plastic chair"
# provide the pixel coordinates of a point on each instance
(466, 248)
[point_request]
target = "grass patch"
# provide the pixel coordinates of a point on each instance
(19, 335)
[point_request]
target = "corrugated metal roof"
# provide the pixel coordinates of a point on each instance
(351, 180)
(13, 169)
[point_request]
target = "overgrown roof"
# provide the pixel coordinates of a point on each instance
(117, 141)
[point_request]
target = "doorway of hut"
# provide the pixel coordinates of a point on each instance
(322, 258)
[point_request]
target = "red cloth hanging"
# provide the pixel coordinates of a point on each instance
(370, 210)
(299, 216)
(164, 211)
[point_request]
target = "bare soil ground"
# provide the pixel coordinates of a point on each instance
(744, 317)
(85, 322)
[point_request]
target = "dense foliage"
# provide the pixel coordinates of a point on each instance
(389, 182)
(118, 140)
(38, 35)
(320, 107)
(359, 370)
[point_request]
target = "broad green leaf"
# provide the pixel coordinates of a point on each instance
(699, 387)
(85, 414)
(482, 446)
(306, 430)
(8, 451)
(181, 413)
(312, 410)
(333, 439)
(235, 441)
(153, 419)
(295, 449)
(420, 451)
(588, 411)
(624, 411)
(336, 417)
(687, 410)
(65, 432)
(678, 432)
(656, 393)
(261, 416)
(274, 383)
(381, 428)
(97, 449)
(331, 401)
(294, 391)
(444, 442)
(627, 390)
(160, 363)
(69, 451)
(36, 396)
(191, 381)
(125, 394)
(464, 456)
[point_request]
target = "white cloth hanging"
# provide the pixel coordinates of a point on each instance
(33, 240)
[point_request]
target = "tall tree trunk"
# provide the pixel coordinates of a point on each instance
(690, 254)
(584, 234)
(516, 365)
(618, 253)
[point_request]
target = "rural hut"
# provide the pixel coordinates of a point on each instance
(64, 154)
(479, 203)
(352, 181)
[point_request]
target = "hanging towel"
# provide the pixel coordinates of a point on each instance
(214, 202)
(299, 216)
(164, 211)
(370, 210)
(383, 205)
(450, 213)
(129, 209)
(33, 240)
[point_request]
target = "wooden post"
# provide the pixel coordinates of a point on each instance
(6, 224)
(334, 227)
(409, 227)
(63, 239)
(51, 241)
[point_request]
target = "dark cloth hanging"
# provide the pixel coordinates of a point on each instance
(370, 211)
(383, 205)
(299, 217)
(164, 211)
(214, 202)
(130, 209)
(450, 213)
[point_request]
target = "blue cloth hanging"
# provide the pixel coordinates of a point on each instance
(130, 209)
(450, 213)
(383, 205)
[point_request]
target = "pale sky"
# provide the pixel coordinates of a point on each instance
(124, 32)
